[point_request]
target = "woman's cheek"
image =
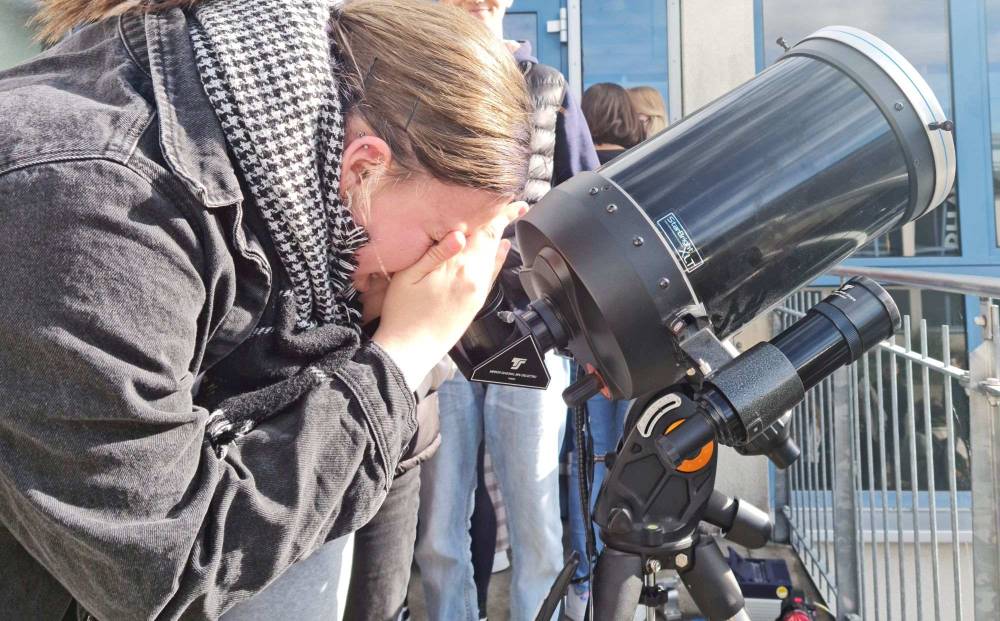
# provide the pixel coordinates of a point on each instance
(406, 254)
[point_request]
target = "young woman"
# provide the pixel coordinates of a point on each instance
(649, 108)
(613, 123)
(191, 195)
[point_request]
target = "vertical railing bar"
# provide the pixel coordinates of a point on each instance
(812, 452)
(826, 401)
(949, 408)
(810, 534)
(984, 467)
(807, 493)
(897, 475)
(831, 563)
(931, 487)
(797, 466)
(845, 502)
(835, 388)
(911, 428)
(879, 387)
(855, 431)
(782, 527)
(866, 385)
(819, 450)
(810, 466)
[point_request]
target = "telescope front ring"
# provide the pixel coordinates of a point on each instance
(918, 93)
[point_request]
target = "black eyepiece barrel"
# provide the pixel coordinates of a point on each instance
(748, 396)
(838, 330)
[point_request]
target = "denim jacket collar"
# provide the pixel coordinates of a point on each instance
(191, 138)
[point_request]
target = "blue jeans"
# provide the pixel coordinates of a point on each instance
(313, 589)
(607, 419)
(523, 430)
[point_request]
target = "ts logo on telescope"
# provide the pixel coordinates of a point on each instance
(520, 364)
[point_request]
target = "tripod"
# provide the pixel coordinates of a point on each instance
(652, 513)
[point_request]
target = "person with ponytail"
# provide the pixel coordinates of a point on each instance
(205, 206)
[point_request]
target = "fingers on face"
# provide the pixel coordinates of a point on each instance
(500, 258)
(519, 209)
(451, 244)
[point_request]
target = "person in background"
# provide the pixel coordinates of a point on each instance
(522, 428)
(649, 107)
(614, 125)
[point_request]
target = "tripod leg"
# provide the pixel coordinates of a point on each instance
(711, 583)
(617, 585)
(740, 521)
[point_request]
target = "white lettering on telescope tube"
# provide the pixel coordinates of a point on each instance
(680, 240)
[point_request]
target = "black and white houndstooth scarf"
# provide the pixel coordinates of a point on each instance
(270, 74)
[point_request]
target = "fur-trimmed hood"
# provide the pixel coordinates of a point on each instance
(57, 17)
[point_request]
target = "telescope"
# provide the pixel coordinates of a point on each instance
(640, 270)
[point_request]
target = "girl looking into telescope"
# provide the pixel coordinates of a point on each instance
(193, 194)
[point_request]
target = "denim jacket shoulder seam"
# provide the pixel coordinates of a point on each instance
(132, 135)
(55, 157)
(156, 184)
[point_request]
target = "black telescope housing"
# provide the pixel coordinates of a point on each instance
(716, 219)
(640, 269)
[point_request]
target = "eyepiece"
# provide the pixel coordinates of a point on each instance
(838, 330)
(748, 397)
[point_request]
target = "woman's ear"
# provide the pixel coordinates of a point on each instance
(364, 155)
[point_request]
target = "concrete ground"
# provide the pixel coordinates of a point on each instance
(499, 596)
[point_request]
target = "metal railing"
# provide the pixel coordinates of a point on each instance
(894, 505)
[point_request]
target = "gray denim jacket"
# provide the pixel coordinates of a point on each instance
(127, 271)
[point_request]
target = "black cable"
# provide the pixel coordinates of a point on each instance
(584, 460)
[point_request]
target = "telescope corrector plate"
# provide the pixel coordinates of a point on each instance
(917, 91)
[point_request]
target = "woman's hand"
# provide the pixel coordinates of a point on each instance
(428, 306)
